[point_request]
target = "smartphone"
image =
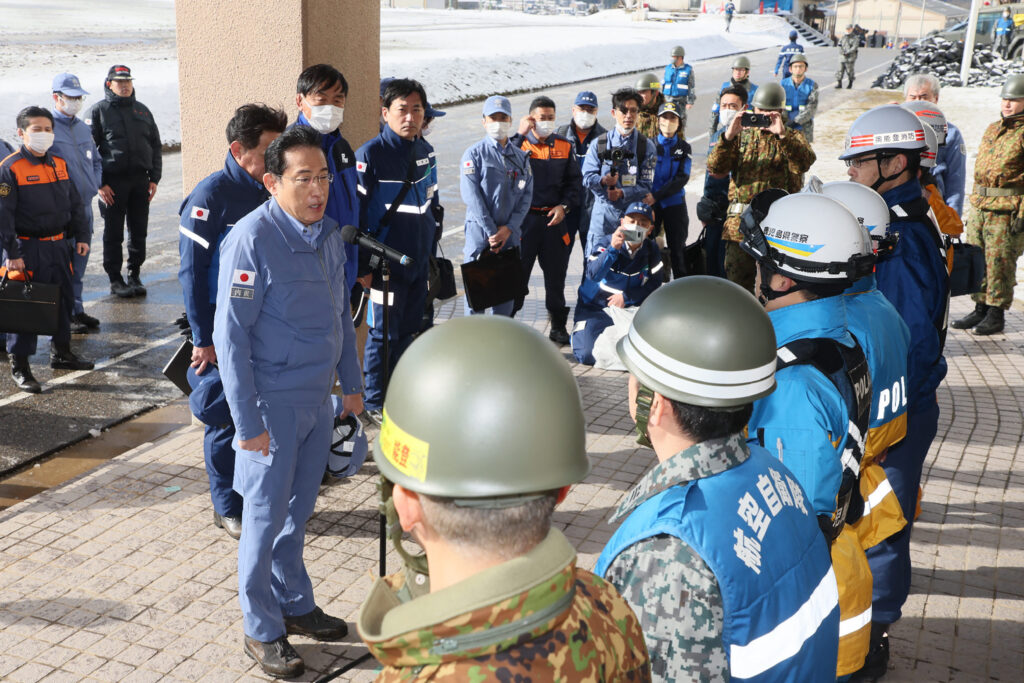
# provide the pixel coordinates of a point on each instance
(633, 236)
(752, 120)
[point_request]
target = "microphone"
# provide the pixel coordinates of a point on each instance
(352, 235)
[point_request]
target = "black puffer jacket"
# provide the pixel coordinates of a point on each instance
(126, 136)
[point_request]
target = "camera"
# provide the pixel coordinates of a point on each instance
(752, 120)
(616, 155)
(633, 236)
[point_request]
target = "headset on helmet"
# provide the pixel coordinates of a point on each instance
(869, 208)
(348, 444)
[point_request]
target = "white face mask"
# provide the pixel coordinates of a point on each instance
(544, 128)
(498, 130)
(325, 118)
(38, 142)
(71, 106)
(584, 119)
(725, 117)
(623, 131)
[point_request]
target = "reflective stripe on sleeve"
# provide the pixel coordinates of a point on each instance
(205, 244)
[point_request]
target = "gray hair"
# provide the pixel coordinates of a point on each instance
(505, 532)
(922, 81)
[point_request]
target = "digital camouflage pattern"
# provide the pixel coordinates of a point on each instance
(997, 224)
(848, 46)
(805, 118)
(595, 637)
(672, 590)
(647, 120)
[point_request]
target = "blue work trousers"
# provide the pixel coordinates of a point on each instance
(220, 469)
(546, 244)
(409, 299)
(78, 265)
(49, 262)
(890, 559)
(278, 496)
(590, 322)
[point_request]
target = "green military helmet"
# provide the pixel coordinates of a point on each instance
(648, 81)
(798, 59)
(741, 63)
(769, 97)
(704, 341)
(482, 408)
(678, 51)
(1013, 89)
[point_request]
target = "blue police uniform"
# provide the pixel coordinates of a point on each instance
(283, 330)
(496, 186)
(788, 51)
(206, 216)
(578, 220)
(914, 279)
(796, 97)
(950, 170)
(678, 83)
(635, 178)
(609, 271)
(72, 142)
(342, 200)
(383, 164)
(762, 543)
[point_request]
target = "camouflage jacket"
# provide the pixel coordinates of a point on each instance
(849, 44)
(647, 120)
(536, 617)
(757, 161)
(667, 584)
(1000, 163)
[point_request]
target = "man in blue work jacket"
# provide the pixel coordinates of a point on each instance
(915, 280)
(619, 167)
(1002, 31)
(72, 142)
(583, 129)
(218, 202)
(678, 84)
(320, 96)
(283, 329)
(397, 190)
(786, 53)
(497, 187)
(950, 171)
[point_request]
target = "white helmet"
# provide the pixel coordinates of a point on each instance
(888, 128)
(870, 209)
(931, 116)
(929, 155)
(808, 237)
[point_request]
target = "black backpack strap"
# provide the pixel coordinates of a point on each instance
(410, 174)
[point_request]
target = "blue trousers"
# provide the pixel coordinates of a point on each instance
(589, 322)
(890, 559)
(220, 469)
(79, 263)
(278, 497)
(547, 245)
(410, 299)
(50, 262)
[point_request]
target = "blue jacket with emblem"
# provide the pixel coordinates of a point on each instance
(788, 51)
(951, 169)
(283, 327)
(616, 271)
(219, 201)
(805, 421)
(635, 178)
(497, 187)
(72, 142)
(342, 201)
(678, 82)
(752, 528)
(914, 280)
(672, 171)
(382, 165)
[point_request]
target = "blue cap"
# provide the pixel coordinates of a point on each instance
(207, 400)
(496, 104)
(640, 208)
(384, 83)
(792, 35)
(432, 113)
(671, 108)
(68, 84)
(585, 98)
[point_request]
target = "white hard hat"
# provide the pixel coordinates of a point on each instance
(888, 128)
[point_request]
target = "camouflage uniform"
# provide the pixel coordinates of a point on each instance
(997, 223)
(805, 118)
(669, 586)
(848, 46)
(757, 161)
(647, 120)
(586, 631)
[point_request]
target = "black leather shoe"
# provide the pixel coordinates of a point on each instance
(232, 525)
(136, 284)
(971, 319)
(277, 658)
(317, 625)
(119, 288)
(78, 328)
(992, 323)
(63, 358)
(22, 374)
(84, 318)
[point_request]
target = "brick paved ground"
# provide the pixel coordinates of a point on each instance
(119, 574)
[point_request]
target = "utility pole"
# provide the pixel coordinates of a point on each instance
(972, 26)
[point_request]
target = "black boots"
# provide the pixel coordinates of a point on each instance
(135, 283)
(849, 84)
(877, 661)
(22, 374)
(971, 319)
(63, 358)
(119, 288)
(558, 333)
(992, 323)
(839, 84)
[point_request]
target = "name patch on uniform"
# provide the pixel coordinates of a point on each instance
(5, 189)
(200, 213)
(422, 162)
(242, 292)
(467, 168)
(31, 178)
(245, 278)
(360, 166)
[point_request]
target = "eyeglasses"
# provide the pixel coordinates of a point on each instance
(304, 182)
(857, 163)
(627, 110)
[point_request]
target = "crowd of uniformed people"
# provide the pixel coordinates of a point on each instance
(789, 394)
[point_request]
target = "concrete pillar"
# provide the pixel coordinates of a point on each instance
(231, 52)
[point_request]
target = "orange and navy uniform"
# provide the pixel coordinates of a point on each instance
(38, 200)
(556, 172)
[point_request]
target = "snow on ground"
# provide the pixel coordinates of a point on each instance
(458, 55)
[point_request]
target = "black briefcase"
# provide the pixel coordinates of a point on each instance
(28, 307)
(440, 279)
(493, 279)
(968, 269)
(177, 367)
(694, 258)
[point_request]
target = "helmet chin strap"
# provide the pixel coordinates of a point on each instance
(882, 178)
(767, 293)
(417, 563)
(644, 399)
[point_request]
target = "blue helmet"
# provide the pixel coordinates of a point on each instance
(348, 444)
(792, 35)
(207, 401)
